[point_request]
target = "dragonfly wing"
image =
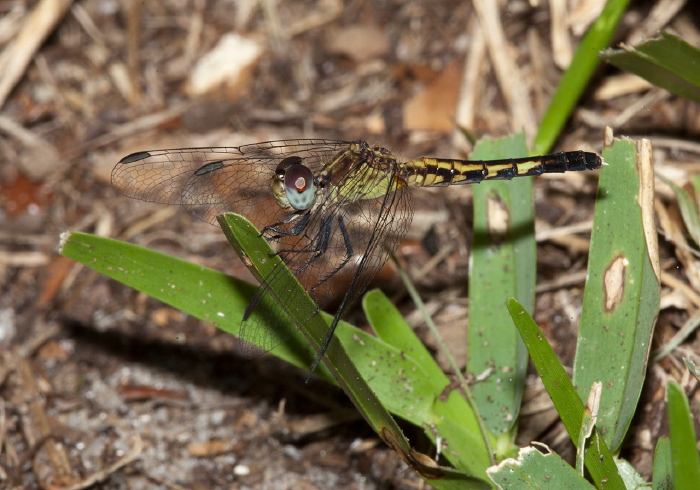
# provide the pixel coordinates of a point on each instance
(341, 243)
(211, 181)
(341, 249)
(266, 323)
(375, 228)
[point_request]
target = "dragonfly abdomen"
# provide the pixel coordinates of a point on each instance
(437, 171)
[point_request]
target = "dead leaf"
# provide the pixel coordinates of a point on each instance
(227, 66)
(433, 109)
(359, 43)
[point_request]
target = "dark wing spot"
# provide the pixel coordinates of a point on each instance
(135, 157)
(209, 167)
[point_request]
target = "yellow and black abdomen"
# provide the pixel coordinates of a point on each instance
(437, 171)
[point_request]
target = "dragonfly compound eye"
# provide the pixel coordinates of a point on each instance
(299, 186)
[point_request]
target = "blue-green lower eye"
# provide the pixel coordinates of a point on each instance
(299, 186)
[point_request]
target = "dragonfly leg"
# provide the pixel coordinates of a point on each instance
(349, 253)
(320, 244)
(296, 230)
(318, 250)
(344, 303)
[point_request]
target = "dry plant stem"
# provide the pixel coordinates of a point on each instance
(568, 280)
(673, 232)
(144, 123)
(516, 94)
(17, 55)
(660, 15)
(86, 22)
(677, 144)
(23, 259)
(619, 85)
(690, 326)
(194, 32)
(331, 10)
(133, 41)
(542, 235)
(674, 283)
(562, 51)
(472, 86)
(538, 72)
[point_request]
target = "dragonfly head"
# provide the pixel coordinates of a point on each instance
(293, 185)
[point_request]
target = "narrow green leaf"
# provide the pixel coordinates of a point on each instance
(629, 475)
(534, 471)
(292, 298)
(621, 297)
(598, 459)
(439, 404)
(695, 183)
(663, 465)
(502, 265)
(666, 61)
(684, 452)
(215, 297)
(576, 78)
(390, 326)
(201, 292)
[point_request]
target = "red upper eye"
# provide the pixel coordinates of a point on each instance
(299, 186)
(297, 178)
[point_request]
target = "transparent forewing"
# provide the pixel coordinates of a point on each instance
(211, 181)
(359, 217)
(339, 251)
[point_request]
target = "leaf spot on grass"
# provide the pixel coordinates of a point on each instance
(614, 283)
(498, 219)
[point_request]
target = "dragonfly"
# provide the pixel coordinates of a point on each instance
(331, 209)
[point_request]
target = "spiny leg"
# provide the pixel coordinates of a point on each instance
(322, 242)
(349, 253)
(296, 230)
(318, 250)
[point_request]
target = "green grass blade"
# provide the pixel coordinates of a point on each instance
(684, 452)
(502, 265)
(291, 296)
(629, 475)
(663, 465)
(598, 459)
(534, 471)
(667, 61)
(435, 404)
(576, 78)
(220, 299)
(621, 297)
(201, 292)
(390, 326)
